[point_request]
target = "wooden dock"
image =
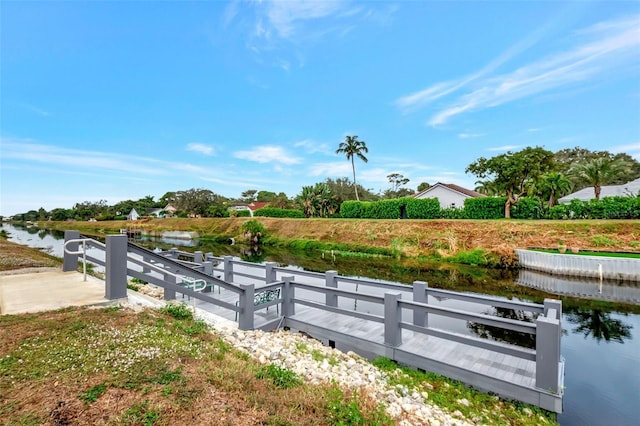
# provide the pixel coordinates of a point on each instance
(414, 325)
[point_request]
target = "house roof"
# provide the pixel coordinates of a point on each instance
(255, 205)
(585, 194)
(453, 187)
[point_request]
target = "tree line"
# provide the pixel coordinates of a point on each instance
(531, 172)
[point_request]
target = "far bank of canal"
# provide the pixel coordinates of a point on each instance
(600, 342)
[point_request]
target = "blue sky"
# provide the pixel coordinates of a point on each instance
(119, 100)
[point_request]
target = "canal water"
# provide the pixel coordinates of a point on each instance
(600, 341)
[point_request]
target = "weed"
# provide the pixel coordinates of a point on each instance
(281, 377)
(140, 414)
(603, 241)
(346, 411)
(179, 311)
(93, 393)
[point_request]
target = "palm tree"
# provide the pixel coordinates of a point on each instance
(353, 147)
(599, 171)
(554, 185)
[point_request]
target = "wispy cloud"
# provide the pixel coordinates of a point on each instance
(30, 152)
(469, 135)
(504, 148)
(267, 154)
(201, 148)
(534, 129)
(286, 16)
(313, 147)
(276, 30)
(604, 48)
(36, 110)
(633, 149)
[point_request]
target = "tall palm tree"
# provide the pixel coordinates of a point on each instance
(554, 185)
(599, 171)
(352, 147)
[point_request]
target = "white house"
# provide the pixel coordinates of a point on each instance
(448, 194)
(133, 215)
(629, 189)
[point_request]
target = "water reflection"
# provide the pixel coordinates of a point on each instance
(503, 335)
(598, 324)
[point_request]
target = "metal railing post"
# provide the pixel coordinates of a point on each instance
(548, 334)
(116, 267)
(70, 261)
(169, 293)
(245, 304)
(392, 319)
(270, 272)
(228, 268)
(420, 317)
(331, 280)
(288, 294)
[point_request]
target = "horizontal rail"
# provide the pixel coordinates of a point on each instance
(337, 310)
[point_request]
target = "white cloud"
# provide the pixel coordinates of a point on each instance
(534, 129)
(313, 147)
(267, 154)
(469, 135)
(504, 148)
(605, 48)
(340, 169)
(633, 149)
(285, 16)
(201, 148)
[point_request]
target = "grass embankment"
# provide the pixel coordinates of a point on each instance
(485, 242)
(18, 256)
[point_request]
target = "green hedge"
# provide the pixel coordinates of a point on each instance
(351, 209)
(527, 208)
(606, 208)
(485, 207)
(275, 212)
(422, 208)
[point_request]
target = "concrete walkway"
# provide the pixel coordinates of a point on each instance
(45, 289)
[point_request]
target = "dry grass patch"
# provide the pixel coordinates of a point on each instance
(17, 256)
(82, 366)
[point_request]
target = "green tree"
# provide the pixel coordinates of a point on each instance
(317, 201)
(513, 172)
(423, 186)
(599, 171)
(352, 147)
(265, 196)
(249, 196)
(487, 187)
(397, 180)
(553, 185)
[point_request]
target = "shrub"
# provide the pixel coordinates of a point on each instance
(276, 212)
(485, 207)
(422, 208)
(351, 209)
(527, 208)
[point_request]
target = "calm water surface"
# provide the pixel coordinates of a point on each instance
(600, 343)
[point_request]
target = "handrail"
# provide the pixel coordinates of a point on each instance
(83, 252)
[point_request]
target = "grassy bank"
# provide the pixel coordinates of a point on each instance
(484, 242)
(18, 256)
